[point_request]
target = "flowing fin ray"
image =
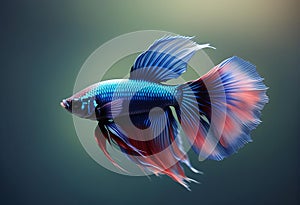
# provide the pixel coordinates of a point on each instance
(244, 98)
(165, 59)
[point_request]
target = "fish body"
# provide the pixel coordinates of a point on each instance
(136, 113)
(141, 95)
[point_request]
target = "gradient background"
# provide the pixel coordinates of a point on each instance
(44, 44)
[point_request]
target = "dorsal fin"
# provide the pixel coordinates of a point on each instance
(165, 59)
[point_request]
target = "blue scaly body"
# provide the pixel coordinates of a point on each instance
(142, 96)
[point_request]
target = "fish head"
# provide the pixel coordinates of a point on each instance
(81, 107)
(82, 104)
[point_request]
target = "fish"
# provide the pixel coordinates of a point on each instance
(143, 115)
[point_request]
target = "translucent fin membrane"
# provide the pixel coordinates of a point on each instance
(245, 97)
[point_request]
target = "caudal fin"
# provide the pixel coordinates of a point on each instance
(219, 110)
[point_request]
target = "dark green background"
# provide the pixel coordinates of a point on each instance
(44, 44)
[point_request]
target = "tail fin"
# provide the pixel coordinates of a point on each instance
(219, 110)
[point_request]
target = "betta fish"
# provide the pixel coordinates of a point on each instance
(143, 115)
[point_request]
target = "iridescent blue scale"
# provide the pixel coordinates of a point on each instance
(137, 92)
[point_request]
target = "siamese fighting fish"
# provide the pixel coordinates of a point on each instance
(148, 119)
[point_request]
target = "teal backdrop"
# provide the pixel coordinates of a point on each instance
(45, 43)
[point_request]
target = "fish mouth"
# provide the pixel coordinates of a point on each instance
(65, 104)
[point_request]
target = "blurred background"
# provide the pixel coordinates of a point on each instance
(45, 43)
